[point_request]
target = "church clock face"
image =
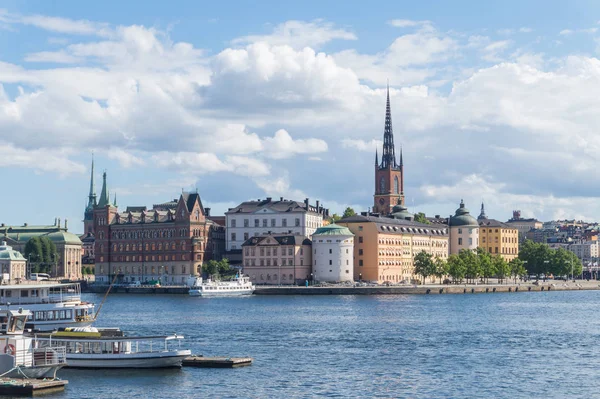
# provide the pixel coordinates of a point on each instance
(381, 201)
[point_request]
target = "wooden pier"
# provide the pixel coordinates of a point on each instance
(216, 362)
(30, 387)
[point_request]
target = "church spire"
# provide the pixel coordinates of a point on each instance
(482, 215)
(388, 159)
(92, 195)
(401, 162)
(115, 201)
(376, 158)
(104, 199)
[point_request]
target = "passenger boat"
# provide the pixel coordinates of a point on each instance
(52, 305)
(97, 348)
(240, 286)
(19, 355)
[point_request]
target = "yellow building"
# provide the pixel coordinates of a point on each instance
(498, 238)
(384, 248)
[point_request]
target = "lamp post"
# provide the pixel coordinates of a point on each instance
(545, 262)
(54, 255)
(524, 263)
(312, 281)
(359, 277)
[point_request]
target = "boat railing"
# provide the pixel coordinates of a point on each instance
(37, 300)
(49, 356)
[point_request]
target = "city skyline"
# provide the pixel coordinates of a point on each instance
(494, 106)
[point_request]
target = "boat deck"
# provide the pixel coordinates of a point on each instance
(216, 362)
(30, 387)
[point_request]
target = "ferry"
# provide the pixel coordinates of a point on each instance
(97, 348)
(20, 355)
(52, 305)
(240, 286)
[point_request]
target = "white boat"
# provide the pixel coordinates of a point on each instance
(240, 286)
(52, 305)
(109, 348)
(19, 355)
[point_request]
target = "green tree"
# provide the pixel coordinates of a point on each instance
(536, 257)
(224, 267)
(441, 268)
(517, 268)
(486, 264)
(560, 262)
(502, 269)
(424, 265)
(421, 218)
(211, 267)
(348, 212)
(456, 268)
(471, 262)
(33, 252)
(334, 218)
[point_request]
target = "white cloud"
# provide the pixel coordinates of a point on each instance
(565, 32)
(299, 34)
(40, 160)
(492, 52)
(407, 23)
(125, 159)
(525, 29)
(206, 163)
(362, 145)
(59, 57)
(281, 145)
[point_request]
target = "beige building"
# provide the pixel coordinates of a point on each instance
(12, 264)
(384, 248)
(523, 225)
(277, 259)
(464, 230)
(498, 238)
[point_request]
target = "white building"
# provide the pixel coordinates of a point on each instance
(12, 264)
(333, 254)
(464, 230)
(255, 218)
(586, 251)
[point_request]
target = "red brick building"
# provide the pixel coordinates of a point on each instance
(168, 242)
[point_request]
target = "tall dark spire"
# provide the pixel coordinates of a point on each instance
(401, 162)
(104, 200)
(376, 158)
(482, 215)
(92, 195)
(388, 159)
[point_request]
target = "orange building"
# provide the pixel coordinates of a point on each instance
(498, 238)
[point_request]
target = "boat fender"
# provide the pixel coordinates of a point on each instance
(10, 349)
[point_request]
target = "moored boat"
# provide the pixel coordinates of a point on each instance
(110, 348)
(240, 286)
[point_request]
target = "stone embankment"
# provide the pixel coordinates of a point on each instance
(375, 290)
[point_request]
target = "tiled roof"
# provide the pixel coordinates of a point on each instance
(287, 239)
(277, 206)
(397, 226)
(494, 223)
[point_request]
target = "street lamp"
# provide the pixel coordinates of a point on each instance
(359, 277)
(312, 281)
(546, 262)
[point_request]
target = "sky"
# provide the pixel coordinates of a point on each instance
(491, 101)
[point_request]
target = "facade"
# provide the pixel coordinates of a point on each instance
(333, 254)
(384, 248)
(464, 230)
(498, 238)
(168, 242)
(68, 245)
(257, 218)
(277, 259)
(389, 174)
(12, 264)
(588, 251)
(523, 225)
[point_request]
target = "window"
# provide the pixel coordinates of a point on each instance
(232, 222)
(330, 262)
(284, 222)
(275, 251)
(360, 262)
(360, 228)
(382, 185)
(496, 251)
(246, 223)
(246, 236)
(265, 223)
(459, 231)
(290, 251)
(272, 222)
(459, 240)
(256, 223)
(396, 185)
(232, 236)
(262, 252)
(470, 241)
(330, 250)
(360, 251)
(297, 222)
(360, 239)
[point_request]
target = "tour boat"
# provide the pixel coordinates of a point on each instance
(240, 286)
(52, 305)
(96, 348)
(20, 355)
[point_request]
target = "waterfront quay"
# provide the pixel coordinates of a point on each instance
(550, 285)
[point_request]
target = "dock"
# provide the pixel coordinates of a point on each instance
(30, 387)
(216, 362)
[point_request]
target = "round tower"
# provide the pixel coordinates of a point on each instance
(333, 254)
(464, 230)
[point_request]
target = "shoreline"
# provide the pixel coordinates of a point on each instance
(578, 285)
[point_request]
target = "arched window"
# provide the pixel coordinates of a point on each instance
(382, 185)
(396, 185)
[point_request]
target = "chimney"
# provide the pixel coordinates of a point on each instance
(437, 216)
(269, 199)
(58, 223)
(66, 224)
(317, 206)
(207, 211)
(280, 199)
(306, 203)
(55, 221)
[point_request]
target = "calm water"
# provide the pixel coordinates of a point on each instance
(441, 346)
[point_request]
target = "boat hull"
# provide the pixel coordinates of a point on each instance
(220, 293)
(34, 372)
(123, 361)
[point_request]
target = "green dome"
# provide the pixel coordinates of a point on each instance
(462, 217)
(333, 230)
(401, 212)
(6, 252)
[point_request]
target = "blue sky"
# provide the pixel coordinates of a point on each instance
(492, 101)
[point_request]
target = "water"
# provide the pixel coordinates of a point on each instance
(438, 346)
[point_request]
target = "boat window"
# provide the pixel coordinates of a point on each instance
(50, 315)
(69, 314)
(24, 293)
(61, 314)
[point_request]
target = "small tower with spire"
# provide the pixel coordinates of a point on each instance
(482, 215)
(88, 218)
(389, 174)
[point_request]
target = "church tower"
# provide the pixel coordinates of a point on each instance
(88, 218)
(389, 174)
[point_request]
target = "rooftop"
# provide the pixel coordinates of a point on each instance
(397, 226)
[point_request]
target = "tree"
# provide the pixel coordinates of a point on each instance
(424, 265)
(348, 212)
(441, 268)
(486, 264)
(502, 269)
(421, 218)
(456, 268)
(211, 267)
(334, 218)
(517, 268)
(536, 257)
(471, 263)
(42, 254)
(223, 266)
